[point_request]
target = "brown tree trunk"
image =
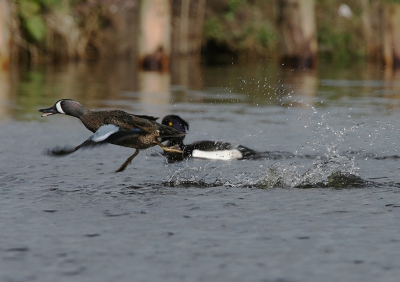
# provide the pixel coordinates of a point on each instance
(372, 18)
(391, 36)
(381, 26)
(187, 31)
(5, 34)
(184, 30)
(297, 24)
(155, 34)
(199, 25)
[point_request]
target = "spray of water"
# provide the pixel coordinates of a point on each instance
(329, 168)
(333, 170)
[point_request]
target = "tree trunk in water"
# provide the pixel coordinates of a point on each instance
(381, 26)
(391, 35)
(372, 17)
(297, 24)
(5, 34)
(155, 35)
(184, 31)
(187, 31)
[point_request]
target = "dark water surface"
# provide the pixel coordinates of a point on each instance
(321, 202)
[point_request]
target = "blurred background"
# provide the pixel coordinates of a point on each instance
(115, 49)
(218, 31)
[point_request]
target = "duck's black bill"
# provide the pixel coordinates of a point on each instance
(49, 111)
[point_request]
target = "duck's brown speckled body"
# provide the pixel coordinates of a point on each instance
(115, 127)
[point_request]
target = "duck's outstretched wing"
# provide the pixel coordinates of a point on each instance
(134, 123)
(147, 117)
(106, 133)
(128, 122)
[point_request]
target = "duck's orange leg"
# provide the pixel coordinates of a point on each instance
(127, 162)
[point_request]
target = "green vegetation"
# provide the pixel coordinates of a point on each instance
(30, 14)
(340, 39)
(249, 27)
(56, 29)
(245, 28)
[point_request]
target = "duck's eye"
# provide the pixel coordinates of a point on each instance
(170, 123)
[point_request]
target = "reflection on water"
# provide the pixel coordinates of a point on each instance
(118, 84)
(187, 73)
(391, 79)
(154, 91)
(301, 83)
(5, 86)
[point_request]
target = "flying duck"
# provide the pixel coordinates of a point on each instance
(115, 127)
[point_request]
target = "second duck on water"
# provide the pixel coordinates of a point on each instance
(204, 149)
(115, 127)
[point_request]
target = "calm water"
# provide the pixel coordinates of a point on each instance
(321, 202)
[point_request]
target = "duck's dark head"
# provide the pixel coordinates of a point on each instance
(66, 107)
(179, 124)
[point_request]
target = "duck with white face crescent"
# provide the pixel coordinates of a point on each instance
(114, 127)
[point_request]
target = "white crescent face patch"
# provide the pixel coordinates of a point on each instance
(59, 108)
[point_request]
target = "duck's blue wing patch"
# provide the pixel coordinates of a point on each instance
(113, 133)
(104, 132)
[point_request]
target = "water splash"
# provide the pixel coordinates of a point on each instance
(338, 172)
(325, 167)
(206, 176)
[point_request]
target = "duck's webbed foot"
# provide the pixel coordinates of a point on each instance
(127, 162)
(168, 149)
